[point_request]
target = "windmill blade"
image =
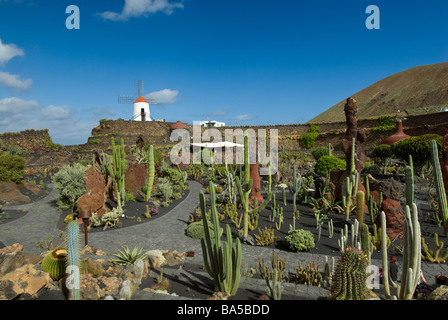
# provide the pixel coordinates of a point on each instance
(138, 88)
(126, 99)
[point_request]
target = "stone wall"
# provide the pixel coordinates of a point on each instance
(132, 128)
(28, 140)
(42, 154)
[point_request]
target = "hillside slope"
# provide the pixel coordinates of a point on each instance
(419, 90)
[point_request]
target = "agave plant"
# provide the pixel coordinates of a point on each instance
(127, 257)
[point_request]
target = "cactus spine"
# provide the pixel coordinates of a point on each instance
(222, 263)
(441, 195)
(151, 172)
(73, 260)
(245, 190)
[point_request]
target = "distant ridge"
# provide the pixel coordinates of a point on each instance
(419, 90)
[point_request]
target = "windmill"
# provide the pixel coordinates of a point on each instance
(141, 105)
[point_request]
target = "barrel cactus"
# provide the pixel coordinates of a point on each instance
(54, 263)
(350, 276)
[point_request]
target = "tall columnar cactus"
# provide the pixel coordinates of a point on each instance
(275, 289)
(409, 178)
(231, 185)
(350, 276)
(359, 210)
(351, 186)
(72, 240)
(441, 195)
(244, 191)
(412, 255)
(295, 188)
(151, 172)
(117, 169)
(366, 245)
(222, 263)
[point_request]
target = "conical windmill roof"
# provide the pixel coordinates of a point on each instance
(140, 99)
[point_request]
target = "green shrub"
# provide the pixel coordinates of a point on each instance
(299, 240)
(195, 230)
(384, 124)
(314, 128)
(308, 140)
(319, 152)
(11, 167)
(418, 147)
(69, 181)
(94, 141)
(328, 163)
(383, 151)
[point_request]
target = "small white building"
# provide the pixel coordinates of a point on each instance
(212, 124)
(141, 110)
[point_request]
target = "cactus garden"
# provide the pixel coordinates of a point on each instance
(343, 222)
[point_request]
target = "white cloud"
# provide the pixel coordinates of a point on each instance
(103, 112)
(9, 51)
(242, 117)
(12, 81)
(64, 127)
(55, 113)
(138, 8)
(165, 96)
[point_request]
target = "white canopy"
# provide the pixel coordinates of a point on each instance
(226, 144)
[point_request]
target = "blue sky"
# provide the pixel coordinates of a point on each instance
(237, 61)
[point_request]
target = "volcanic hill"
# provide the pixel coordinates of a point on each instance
(415, 91)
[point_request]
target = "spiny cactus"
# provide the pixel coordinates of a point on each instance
(222, 263)
(54, 263)
(351, 185)
(359, 210)
(366, 245)
(438, 255)
(117, 169)
(409, 178)
(72, 240)
(350, 276)
(328, 271)
(151, 172)
(354, 231)
(412, 255)
(244, 191)
(295, 188)
(275, 289)
(438, 179)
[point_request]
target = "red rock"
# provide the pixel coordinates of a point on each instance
(394, 218)
(10, 194)
(94, 200)
(255, 194)
(135, 178)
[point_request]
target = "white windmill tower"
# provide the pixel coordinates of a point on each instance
(141, 105)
